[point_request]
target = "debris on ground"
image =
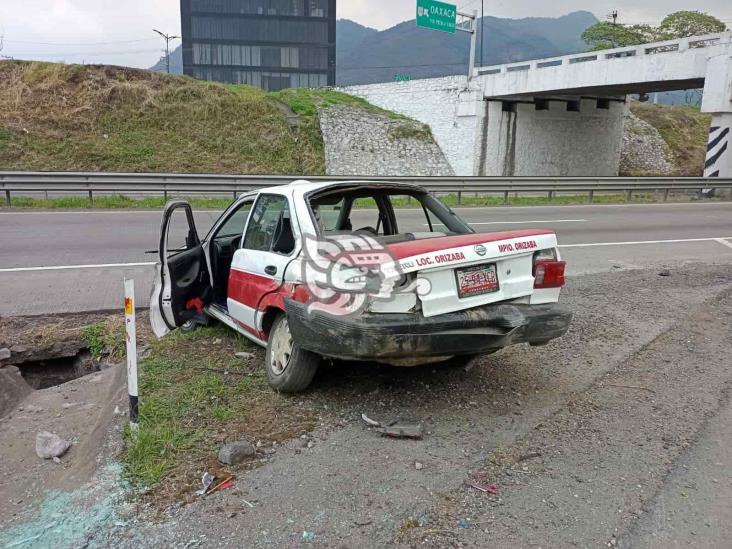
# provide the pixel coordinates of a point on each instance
(308, 536)
(664, 272)
(228, 482)
(464, 523)
(486, 488)
(402, 430)
(244, 355)
(530, 455)
(419, 466)
(206, 480)
(234, 453)
(472, 363)
(370, 421)
(49, 445)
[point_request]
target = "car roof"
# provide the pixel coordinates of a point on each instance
(302, 186)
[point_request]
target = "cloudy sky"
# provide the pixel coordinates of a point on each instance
(119, 31)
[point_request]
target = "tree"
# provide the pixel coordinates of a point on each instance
(602, 36)
(689, 23)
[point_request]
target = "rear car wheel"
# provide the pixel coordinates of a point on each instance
(290, 368)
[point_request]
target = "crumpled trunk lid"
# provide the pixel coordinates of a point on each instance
(443, 263)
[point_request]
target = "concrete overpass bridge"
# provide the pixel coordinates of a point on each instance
(563, 116)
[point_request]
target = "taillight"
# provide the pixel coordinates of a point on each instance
(549, 273)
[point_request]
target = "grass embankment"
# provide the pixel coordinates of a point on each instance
(156, 203)
(196, 394)
(56, 117)
(684, 128)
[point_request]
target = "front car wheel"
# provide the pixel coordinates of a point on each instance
(290, 368)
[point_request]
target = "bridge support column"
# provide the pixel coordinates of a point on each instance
(551, 137)
(718, 102)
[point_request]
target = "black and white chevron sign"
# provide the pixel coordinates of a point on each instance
(716, 149)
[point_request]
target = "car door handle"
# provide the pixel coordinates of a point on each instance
(270, 270)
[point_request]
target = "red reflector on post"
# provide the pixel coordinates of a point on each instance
(549, 274)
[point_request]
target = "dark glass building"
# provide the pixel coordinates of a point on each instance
(273, 44)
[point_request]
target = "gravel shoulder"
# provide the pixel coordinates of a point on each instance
(355, 489)
(609, 414)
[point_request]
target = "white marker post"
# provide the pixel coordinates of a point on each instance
(131, 339)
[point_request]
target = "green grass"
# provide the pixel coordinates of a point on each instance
(56, 117)
(104, 337)
(684, 128)
(110, 202)
(305, 102)
(466, 200)
(189, 406)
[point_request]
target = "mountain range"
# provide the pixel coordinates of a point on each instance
(365, 55)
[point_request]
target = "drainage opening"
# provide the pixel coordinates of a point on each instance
(41, 374)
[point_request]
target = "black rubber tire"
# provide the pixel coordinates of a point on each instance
(300, 369)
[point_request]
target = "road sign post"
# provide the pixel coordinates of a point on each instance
(131, 345)
(440, 16)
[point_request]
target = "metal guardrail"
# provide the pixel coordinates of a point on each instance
(160, 183)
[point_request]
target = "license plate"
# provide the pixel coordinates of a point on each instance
(476, 280)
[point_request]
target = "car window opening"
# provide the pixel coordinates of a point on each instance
(388, 215)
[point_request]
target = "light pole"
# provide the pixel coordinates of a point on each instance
(167, 38)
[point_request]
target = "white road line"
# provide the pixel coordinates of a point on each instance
(522, 222)
(676, 241)
(70, 267)
(517, 222)
(721, 240)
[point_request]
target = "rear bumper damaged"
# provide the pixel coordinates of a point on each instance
(384, 337)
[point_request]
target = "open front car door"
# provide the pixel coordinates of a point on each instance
(182, 285)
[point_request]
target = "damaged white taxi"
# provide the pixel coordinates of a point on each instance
(356, 271)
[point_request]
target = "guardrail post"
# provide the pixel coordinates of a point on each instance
(550, 195)
(665, 195)
(460, 197)
(7, 199)
(590, 196)
(505, 197)
(629, 195)
(91, 197)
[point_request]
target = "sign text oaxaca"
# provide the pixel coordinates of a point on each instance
(436, 15)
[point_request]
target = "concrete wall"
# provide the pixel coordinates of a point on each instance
(447, 105)
(718, 101)
(523, 141)
(360, 142)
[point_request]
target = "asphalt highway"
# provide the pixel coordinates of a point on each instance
(69, 261)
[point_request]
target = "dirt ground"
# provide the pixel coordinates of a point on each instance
(615, 435)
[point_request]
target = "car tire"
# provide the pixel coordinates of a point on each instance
(290, 368)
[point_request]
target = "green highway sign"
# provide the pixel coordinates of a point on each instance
(435, 15)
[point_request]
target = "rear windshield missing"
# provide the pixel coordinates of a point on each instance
(390, 215)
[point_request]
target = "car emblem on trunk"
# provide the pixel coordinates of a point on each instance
(480, 250)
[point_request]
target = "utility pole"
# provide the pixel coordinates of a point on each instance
(614, 15)
(167, 38)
